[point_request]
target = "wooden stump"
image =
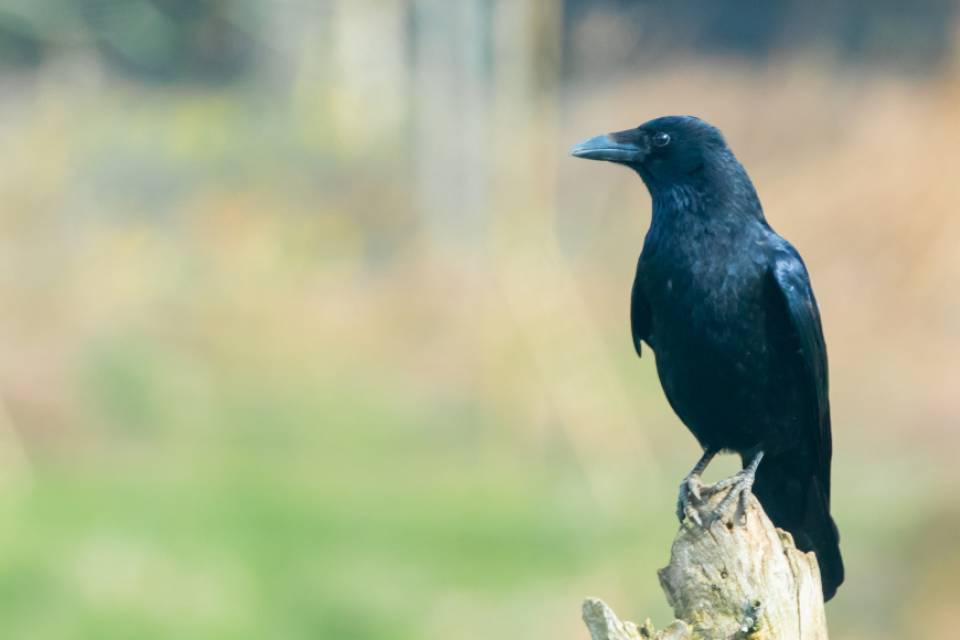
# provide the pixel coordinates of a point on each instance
(729, 582)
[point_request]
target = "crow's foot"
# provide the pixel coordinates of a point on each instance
(690, 499)
(738, 486)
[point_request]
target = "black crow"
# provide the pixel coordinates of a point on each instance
(726, 305)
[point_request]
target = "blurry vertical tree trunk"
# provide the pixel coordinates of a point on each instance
(346, 62)
(452, 68)
(371, 82)
(487, 75)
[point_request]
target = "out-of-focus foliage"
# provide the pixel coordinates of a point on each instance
(194, 40)
(319, 334)
(903, 35)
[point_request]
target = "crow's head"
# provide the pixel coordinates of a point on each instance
(663, 151)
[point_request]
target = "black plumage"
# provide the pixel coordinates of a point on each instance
(726, 305)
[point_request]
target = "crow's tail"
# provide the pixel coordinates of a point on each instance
(796, 501)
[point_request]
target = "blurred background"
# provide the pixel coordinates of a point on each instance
(309, 327)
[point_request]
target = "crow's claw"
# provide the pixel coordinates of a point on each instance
(739, 487)
(690, 498)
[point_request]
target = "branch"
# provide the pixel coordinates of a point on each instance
(729, 582)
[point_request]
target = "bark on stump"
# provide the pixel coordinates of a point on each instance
(729, 582)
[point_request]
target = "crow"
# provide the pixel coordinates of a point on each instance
(727, 308)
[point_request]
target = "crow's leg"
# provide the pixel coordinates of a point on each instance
(691, 487)
(740, 485)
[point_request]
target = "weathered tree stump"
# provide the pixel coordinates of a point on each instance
(729, 582)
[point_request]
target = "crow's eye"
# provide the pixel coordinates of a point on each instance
(661, 139)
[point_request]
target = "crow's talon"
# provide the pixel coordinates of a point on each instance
(739, 486)
(693, 515)
(690, 498)
(740, 515)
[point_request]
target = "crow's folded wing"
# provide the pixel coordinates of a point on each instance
(805, 335)
(640, 316)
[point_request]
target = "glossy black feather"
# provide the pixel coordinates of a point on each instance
(813, 528)
(639, 318)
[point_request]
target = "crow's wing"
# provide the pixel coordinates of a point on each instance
(805, 335)
(640, 315)
(793, 307)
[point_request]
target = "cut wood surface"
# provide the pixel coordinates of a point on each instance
(729, 582)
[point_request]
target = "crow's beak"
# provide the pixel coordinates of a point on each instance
(605, 148)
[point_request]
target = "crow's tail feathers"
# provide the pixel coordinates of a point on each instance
(822, 538)
(796, 502)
